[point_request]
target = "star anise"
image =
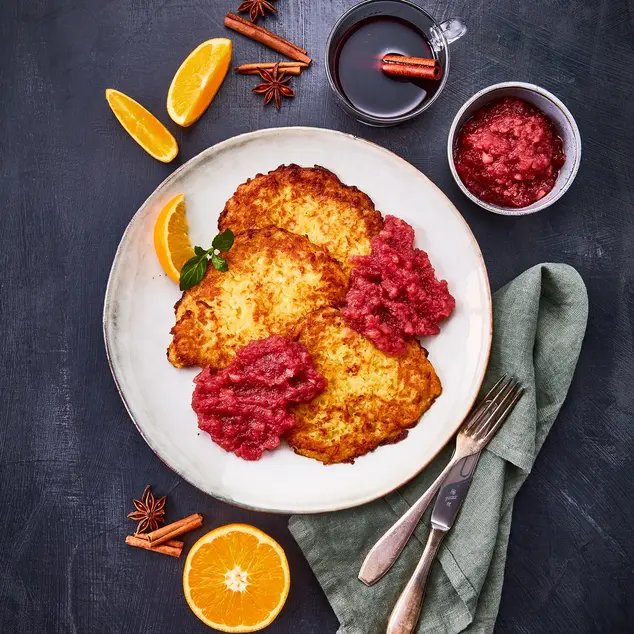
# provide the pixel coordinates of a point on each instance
(149, 512)
(256, 8)
(274, 86)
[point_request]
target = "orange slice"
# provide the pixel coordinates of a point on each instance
(236, 579)
(171, 239)
(143, 126)
(197, 81)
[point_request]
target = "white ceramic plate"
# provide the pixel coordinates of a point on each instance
(138, 315)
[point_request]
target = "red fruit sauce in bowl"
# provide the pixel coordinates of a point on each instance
(514, 148)
(509, 153)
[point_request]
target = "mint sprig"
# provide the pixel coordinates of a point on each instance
(195, 268)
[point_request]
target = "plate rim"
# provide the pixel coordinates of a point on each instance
(240, 138)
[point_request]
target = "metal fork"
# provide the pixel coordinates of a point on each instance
(472, 438)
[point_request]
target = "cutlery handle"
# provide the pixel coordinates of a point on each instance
(387, 549)
(406, 612)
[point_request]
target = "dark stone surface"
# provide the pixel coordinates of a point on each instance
(71, 460)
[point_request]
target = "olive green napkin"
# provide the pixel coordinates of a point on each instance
(539, 324)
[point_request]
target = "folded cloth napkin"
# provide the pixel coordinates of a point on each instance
(539, 321)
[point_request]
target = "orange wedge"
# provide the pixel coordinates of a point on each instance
(171, 239)
(236, 579)
(197, 81)
(143, 126)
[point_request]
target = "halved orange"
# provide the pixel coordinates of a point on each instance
(197, 81)
(236, 579)
(171, 238)
(143, 126)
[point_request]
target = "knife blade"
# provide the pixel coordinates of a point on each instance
(453, 493)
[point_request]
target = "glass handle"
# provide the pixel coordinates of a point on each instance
(453, 28)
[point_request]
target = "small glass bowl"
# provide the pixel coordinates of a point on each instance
(552, 107)
(438, 35)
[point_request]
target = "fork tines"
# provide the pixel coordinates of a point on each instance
(493, 410)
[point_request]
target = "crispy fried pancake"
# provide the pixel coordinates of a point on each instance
(309, 201)
(371, 398)
(275, 278)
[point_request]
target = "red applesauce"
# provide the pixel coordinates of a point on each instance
(394, 293)
(509, 153)
(244, 407)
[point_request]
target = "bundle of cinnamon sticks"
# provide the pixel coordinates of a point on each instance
(300, 57)
(162, 539)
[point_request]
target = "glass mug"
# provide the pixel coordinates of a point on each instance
(438, 36)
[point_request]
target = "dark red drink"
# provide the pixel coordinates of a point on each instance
(358, 73)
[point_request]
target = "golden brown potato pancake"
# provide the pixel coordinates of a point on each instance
(309, 201)
(371, 398)
(275, 279)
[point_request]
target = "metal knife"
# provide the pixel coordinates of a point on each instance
(407, 610)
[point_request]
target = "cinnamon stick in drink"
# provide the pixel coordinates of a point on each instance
(266, 37)
(416, 61)
(414, 67)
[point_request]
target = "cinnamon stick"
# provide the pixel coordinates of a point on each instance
(270, 65)
(412, 70)
(266, 37)
(166, 533)
(172, 547)
(414, 67)
(288, 70)
(416, 61)
(236, 17)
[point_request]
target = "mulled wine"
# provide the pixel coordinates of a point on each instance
(357, 67)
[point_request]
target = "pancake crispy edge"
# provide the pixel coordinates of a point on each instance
(371, 399)
(309, 201)
(275, 279)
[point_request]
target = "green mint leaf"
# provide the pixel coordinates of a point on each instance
(193, 272)
(223, 241)
(220, 264)
(199, 251)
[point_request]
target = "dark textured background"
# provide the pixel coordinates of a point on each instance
(71, 460)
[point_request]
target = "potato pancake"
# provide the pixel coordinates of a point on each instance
(371, 398)
(308, 201)
(275, 279)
